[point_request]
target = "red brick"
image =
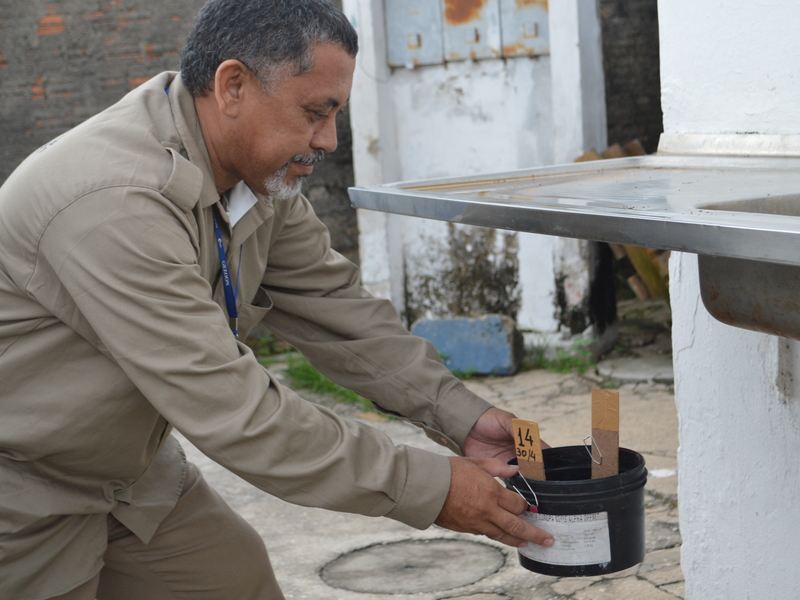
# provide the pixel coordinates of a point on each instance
(51, 23)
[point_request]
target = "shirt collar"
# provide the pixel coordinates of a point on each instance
(187, 123)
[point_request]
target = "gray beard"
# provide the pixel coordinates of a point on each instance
(276, 186)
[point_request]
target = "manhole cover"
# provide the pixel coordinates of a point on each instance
(413, 566)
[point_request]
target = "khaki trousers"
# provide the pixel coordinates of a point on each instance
(203, 550)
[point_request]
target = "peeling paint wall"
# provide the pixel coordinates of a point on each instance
(572, 284)
(738, 409)
(63, 62)
(478, 275)
(473, 117)
(469, 117)
(464, 119)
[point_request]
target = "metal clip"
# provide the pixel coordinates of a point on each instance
(589, 449)
(533, 507)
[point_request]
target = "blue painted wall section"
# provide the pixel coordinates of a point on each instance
(489, 345)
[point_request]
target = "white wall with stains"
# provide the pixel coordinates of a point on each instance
(473, 117)
(462, 119)
(730, 68)
(465, 118)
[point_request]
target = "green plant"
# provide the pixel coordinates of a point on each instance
(268, 348)
(536, 358)
(468, 374)
(575, 359)
(305, 376)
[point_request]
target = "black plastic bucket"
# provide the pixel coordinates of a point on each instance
(597, 524)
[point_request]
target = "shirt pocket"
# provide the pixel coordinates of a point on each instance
(251, 314)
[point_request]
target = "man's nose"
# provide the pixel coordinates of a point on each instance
(325, 137)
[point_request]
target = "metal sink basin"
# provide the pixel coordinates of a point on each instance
(787, 206)
(741, 215)
(752, 294)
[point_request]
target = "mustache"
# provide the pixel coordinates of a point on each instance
(309, 159)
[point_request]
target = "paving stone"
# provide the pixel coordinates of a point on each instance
(677, 589)
(373, 417)
(629, 572)
(661, 559)
(413, 566)
(487, 392)
(623, 589)
(487, 345)
(478, 597)
(662, 474)
(538, 381)
(663, 511)
(661, 577)
(646, 368)
(650, 391)
(567, 587)
(660, 534)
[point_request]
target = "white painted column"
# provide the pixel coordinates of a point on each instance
(736, 391)
(375, 159)
(579, 121)
(538, 284)
(578, 86)
(739, 475)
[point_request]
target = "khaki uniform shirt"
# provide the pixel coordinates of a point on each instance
(113, 330)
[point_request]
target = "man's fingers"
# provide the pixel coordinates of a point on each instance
(498, 535)
(509, 520)
(495, 467)
(477, 503)
(513, 502)
(522, 532)
(514, 531)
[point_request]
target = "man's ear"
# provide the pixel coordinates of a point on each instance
(229, 85)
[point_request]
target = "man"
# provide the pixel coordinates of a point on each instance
(132, 249)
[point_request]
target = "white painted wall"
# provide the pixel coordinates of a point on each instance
(579, 108)
(730, 67)
(374, 149)
(465, 118)
(473, 116)
(739, 473)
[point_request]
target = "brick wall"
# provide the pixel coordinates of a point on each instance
(631, 63)
(62, 62)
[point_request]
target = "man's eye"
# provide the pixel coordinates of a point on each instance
(317, 116)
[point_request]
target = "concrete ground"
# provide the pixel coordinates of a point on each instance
(303, 541)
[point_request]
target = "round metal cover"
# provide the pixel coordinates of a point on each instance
(413, 566)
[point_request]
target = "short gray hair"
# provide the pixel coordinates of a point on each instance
(270, 37)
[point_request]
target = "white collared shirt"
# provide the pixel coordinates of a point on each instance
(240, 199)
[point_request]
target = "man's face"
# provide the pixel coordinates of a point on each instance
(280, 135)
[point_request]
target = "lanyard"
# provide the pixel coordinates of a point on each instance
(231, 294)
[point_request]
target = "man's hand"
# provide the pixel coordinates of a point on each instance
(492, 436)
(477, 503)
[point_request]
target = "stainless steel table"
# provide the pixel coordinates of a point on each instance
(741, 215)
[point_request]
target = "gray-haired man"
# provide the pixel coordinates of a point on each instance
(132, 249)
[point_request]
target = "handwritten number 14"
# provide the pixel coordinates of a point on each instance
(527, 437)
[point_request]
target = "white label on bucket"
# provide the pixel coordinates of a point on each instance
(577, 539)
